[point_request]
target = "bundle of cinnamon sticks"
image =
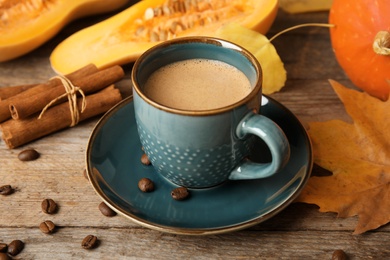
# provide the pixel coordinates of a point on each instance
(20, 106)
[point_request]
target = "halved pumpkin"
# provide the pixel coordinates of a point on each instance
(27, 24)
(124, 37)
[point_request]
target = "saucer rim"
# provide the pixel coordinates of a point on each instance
(193, 231)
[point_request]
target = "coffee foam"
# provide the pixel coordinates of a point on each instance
(197, 84)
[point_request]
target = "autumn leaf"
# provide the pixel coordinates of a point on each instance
(302, 6)
(262, 49)
(358, 155)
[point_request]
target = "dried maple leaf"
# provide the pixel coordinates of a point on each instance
(358, 154)
(262, 49)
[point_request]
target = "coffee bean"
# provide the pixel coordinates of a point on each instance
(89, 242)
(49, 206)
(106, 210)
(180, 193)
(339, 255)
(47, 227)
(6, 190)
(3, 247)
(146, 185)
(15, 247)
(4, 256)
(28, 155)
(145, 160)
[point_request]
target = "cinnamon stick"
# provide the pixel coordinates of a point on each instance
(19, 132)
(4, 104)
(22, 108)
(7, 92)
(4, 110)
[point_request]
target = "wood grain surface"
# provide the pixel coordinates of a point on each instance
(298, 232)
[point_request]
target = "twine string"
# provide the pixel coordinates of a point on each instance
(70, 92)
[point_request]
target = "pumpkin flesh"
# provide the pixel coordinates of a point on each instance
(124, 37)
(25, 25)
(357, 23)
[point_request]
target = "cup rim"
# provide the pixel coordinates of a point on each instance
(208, 40)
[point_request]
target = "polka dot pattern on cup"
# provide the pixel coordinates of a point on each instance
(192, 167)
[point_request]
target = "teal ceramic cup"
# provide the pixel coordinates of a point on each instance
(204, 148)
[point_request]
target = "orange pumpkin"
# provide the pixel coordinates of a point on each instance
(361, 42)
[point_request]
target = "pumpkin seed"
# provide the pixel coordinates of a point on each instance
(154, 37)
(163, 35)
(172, 27)
(157, 11)
(149, 14)
(182, 24)
(142, 31)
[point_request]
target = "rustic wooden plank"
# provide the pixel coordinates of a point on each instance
(139, 243)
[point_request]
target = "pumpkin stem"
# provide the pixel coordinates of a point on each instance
(300, 26)
(381, 43)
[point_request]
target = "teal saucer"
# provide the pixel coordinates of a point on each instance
(114, 169)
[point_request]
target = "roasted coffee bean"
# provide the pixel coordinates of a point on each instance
(339, 255)
(89, 242)
(15, 247)
(6, 190)
(180, 193)
(4, 256)
(47, 227)
(3, 247)
(146, 185)
(28, 155)
(49, 206)
(145, 159)
(106, 210)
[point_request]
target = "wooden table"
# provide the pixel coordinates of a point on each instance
(298, 232)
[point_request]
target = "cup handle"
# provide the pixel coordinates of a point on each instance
(276, 141)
